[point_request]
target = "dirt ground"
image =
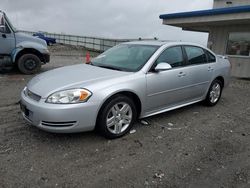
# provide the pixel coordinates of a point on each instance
(195, 146)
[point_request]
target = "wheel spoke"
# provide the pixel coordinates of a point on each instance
(118, 128)
(217, 87)
(125, 108)
(113, 111)
(117, 109)
(126, 119)
(111, 121)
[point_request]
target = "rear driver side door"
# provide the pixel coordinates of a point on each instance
(199, 70)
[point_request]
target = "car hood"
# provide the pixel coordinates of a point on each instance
(22, 37)
(76, 76)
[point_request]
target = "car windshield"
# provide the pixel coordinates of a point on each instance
(125, 57)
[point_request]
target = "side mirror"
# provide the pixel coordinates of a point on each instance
(162, 67)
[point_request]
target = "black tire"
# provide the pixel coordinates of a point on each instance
(29, 64)
(106, 110)
(209, 100)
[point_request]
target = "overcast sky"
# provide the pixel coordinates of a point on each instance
(104, 18)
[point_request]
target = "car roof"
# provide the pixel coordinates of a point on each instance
(147, 42)
(162, 43)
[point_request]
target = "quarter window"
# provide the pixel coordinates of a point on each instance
(195, 55)
(172, 56)
(210, 57)
(239, 44)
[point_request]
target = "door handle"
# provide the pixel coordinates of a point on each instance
(4, 36)
(181, 74)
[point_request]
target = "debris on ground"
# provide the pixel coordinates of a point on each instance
(170, 127)
(161, 152)
(144, 122)
(138, 142)
(132, 131)
(5, 151)
(170, 124)
(159, 137)
(179, 128)
(159, 175)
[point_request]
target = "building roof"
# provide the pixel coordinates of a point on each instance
(217, 11)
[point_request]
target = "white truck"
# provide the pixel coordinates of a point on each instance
(26, 52)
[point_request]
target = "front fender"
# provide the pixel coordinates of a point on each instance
(28, 45)
(137, 87)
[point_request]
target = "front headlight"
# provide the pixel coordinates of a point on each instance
(70, 96)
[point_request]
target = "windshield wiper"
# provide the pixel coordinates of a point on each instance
(109, 67)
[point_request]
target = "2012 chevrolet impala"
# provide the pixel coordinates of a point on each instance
(129, 81)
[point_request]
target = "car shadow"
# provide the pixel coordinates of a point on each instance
(43, 137)
(93, 136)
(9, 70)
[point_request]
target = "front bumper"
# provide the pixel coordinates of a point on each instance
(59, 118)
(45, 58)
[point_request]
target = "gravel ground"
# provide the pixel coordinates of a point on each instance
(194, 146)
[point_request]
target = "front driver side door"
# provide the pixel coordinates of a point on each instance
(7, 40)
(168, 88)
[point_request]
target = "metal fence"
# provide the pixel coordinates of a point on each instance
(92, 43)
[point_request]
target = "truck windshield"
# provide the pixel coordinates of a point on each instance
(8, 21)
(125, 57)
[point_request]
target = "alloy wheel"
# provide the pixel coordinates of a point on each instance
(119, 117)
(214, 94)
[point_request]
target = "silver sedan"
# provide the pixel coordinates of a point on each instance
(129, 81)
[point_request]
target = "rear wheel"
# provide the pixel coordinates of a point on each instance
(29, 64)
(214, 93)
(116, 117)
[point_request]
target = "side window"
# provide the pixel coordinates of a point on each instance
(5, 29)
(172, 56)
(1, 22)
(210, 57)
(195, 55)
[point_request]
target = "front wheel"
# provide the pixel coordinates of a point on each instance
(214, 93)
(29, 64)
(116, 117)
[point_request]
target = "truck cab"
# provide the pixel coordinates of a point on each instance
(26, 52)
